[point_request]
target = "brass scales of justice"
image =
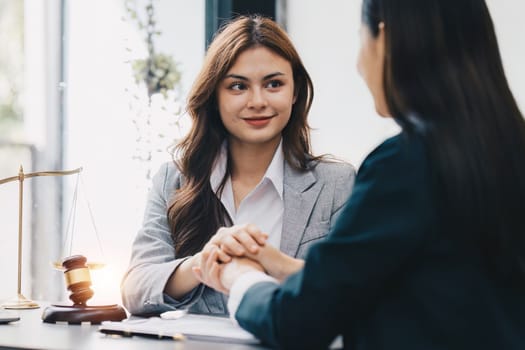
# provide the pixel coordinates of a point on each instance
(76, 273)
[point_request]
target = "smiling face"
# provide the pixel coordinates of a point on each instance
(255, 97)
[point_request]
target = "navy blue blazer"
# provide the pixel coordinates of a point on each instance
(387, 277)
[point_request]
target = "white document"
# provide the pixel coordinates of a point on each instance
(191, 326)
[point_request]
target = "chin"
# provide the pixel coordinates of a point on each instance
(383, 112)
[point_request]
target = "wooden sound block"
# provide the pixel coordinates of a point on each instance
(76, 314)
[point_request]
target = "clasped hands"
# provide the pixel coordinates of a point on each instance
(235, 250)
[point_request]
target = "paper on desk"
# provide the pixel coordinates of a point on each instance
(192, 326)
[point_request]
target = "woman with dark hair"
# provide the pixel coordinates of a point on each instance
(246, 160)
(429, 251)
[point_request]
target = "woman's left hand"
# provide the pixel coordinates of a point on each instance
(209, 269)
(222, 276)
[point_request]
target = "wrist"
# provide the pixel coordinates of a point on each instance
(194, 260)
(284, 266)
(287, 266)
(188, 265)
(274, 261)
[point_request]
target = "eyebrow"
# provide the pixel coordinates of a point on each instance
(240, 77)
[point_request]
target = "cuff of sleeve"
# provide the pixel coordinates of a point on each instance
(187, 299)
(241, 286)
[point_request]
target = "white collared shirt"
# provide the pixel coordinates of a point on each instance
(264, 205)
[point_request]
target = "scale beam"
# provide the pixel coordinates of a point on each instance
(21, 302)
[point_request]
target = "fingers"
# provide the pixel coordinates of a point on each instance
(240, 240)
(259, 236)
(209, 270)
(221, 276)
(239, 243)
(222, 256)
(214, 274)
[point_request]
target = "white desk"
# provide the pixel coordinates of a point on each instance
(31, 333)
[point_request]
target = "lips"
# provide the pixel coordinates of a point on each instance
(258, 121)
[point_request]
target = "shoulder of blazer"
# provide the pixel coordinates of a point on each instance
(333, 170)
(398, 153)
(326, 171)
(168, 178)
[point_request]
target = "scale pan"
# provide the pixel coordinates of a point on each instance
(57, 265)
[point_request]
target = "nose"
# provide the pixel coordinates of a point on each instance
(257, 99)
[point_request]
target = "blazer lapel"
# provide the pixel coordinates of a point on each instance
(300, 193)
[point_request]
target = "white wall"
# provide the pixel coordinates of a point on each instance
(507, 16)
(326, 36)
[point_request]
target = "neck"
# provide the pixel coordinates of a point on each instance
(250, 162)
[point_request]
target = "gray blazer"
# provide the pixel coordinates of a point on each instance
(312, 201)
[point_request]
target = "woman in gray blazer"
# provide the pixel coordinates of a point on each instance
(246, 160)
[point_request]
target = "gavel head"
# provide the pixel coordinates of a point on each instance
(78, 279)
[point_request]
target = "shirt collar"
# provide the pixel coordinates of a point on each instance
(274, 173)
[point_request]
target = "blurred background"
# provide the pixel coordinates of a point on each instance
(101, 84)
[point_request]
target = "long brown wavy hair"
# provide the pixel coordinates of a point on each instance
(195, 212)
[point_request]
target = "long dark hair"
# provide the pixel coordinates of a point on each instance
(444, 79)
(195, 213)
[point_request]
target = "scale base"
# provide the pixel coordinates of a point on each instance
(76, 314)
(20, 303)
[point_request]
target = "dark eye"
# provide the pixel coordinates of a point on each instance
(273, 84)
(237, 86)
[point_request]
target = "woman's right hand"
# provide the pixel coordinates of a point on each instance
(238, 240)
(250, 242)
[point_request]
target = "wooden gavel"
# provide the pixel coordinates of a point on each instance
(78, 279)
(78, 282)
